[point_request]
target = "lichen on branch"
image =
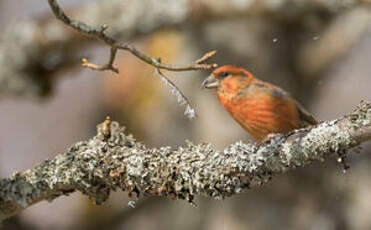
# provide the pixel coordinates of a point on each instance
(114, 160)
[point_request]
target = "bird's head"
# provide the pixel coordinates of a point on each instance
(227, 76)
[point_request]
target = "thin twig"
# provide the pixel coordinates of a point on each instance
(182, 100)
(107, 66)
(100, 33)
(206, 57)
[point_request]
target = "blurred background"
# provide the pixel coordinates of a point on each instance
(318, 50)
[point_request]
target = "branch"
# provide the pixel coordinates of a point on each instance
(100, 34)
(114, 160)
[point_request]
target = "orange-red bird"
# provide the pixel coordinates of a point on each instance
(259, 107)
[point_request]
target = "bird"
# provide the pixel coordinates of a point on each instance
(260, 107)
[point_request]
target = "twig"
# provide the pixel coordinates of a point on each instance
(182, 100)
(107, 66)
(206, 57)
(100, 34)
(97, 166)
(199, 64)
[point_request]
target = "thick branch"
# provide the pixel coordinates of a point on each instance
(114, 160)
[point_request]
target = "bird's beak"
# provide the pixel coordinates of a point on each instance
(210, 83)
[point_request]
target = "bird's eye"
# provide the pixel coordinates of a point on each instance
(223, 75)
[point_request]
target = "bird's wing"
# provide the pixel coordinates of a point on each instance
(262, 108)
(306, 116)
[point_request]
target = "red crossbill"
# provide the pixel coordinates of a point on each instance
(259, 107)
